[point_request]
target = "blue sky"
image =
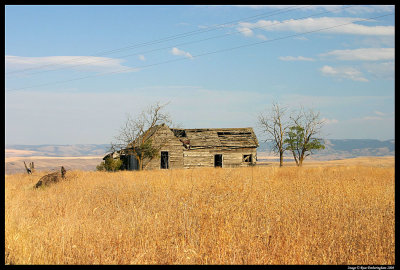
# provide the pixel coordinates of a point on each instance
(74, 72)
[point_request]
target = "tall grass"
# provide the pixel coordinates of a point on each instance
(255, 215)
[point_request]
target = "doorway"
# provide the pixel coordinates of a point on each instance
(164, 160)
(218, 160)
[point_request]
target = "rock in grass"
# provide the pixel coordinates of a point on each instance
(51, 178)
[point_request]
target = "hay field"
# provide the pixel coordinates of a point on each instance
(383, 161)
(255, 215)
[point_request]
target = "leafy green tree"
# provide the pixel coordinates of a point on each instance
(301, 136)
(110, 164)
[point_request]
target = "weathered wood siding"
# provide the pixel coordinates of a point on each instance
(205, 157)
(190, 148)
(166, 140)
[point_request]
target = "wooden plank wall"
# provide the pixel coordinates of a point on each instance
(200, 156)
(205, 157)
(166, 138)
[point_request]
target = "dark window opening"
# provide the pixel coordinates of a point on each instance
(164, 160)
(218, 160)
(248, 158)
(179, 133)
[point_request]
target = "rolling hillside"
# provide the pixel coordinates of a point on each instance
(334, 149)
(86, 156)
(339, 149)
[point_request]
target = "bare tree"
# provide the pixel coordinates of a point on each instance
(274, 124)
(302, 135)
(134, 134)
(31, 168)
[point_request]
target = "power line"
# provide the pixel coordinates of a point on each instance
(185, 43)
(204, 54)
(182, 35)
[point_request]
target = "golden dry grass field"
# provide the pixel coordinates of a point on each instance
(342, 214)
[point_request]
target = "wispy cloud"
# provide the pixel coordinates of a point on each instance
(176, 51)
(377, 116)
(330, 121)
(262, 37)
(246, 31)
(372, 118)
(312, 24)
(343, 73)
(384, 70)
(357, 9)
(301, 38)
(379, 113)
(85, 63)
(141, 57)
(295, 58)
(362, 54)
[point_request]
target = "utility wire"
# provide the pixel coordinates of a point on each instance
(185, 43)
(182, 35)
(204, 54)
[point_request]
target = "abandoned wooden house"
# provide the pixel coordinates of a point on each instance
(190, 148)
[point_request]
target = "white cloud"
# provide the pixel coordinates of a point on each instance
(379, 113)
(372, 118)
(356, 9)
(245, 31)
(313, 24)
(86, 63)
(298, 58)
(183, 23)
(141, 57)
(330, 121)
(325, 102)
(375, 41)
(176, 51)
(343, 73)
(363, 54)
(262, 37)
(383, 70)
(301, 38)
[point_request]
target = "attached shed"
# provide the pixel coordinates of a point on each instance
(192, 148)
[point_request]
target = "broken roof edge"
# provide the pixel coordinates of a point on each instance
(212, 129)
(235, 131)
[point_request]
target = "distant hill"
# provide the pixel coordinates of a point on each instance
(75, 150)
(334, 149)
(87, 156)
(350, 148)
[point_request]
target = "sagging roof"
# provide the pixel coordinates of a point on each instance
(207, 138)
(217, 137)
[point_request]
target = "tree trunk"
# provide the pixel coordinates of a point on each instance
(32, 167)
(29, 171)
(280, 159)
(140, 164)
(301, 161)
(295, 158)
